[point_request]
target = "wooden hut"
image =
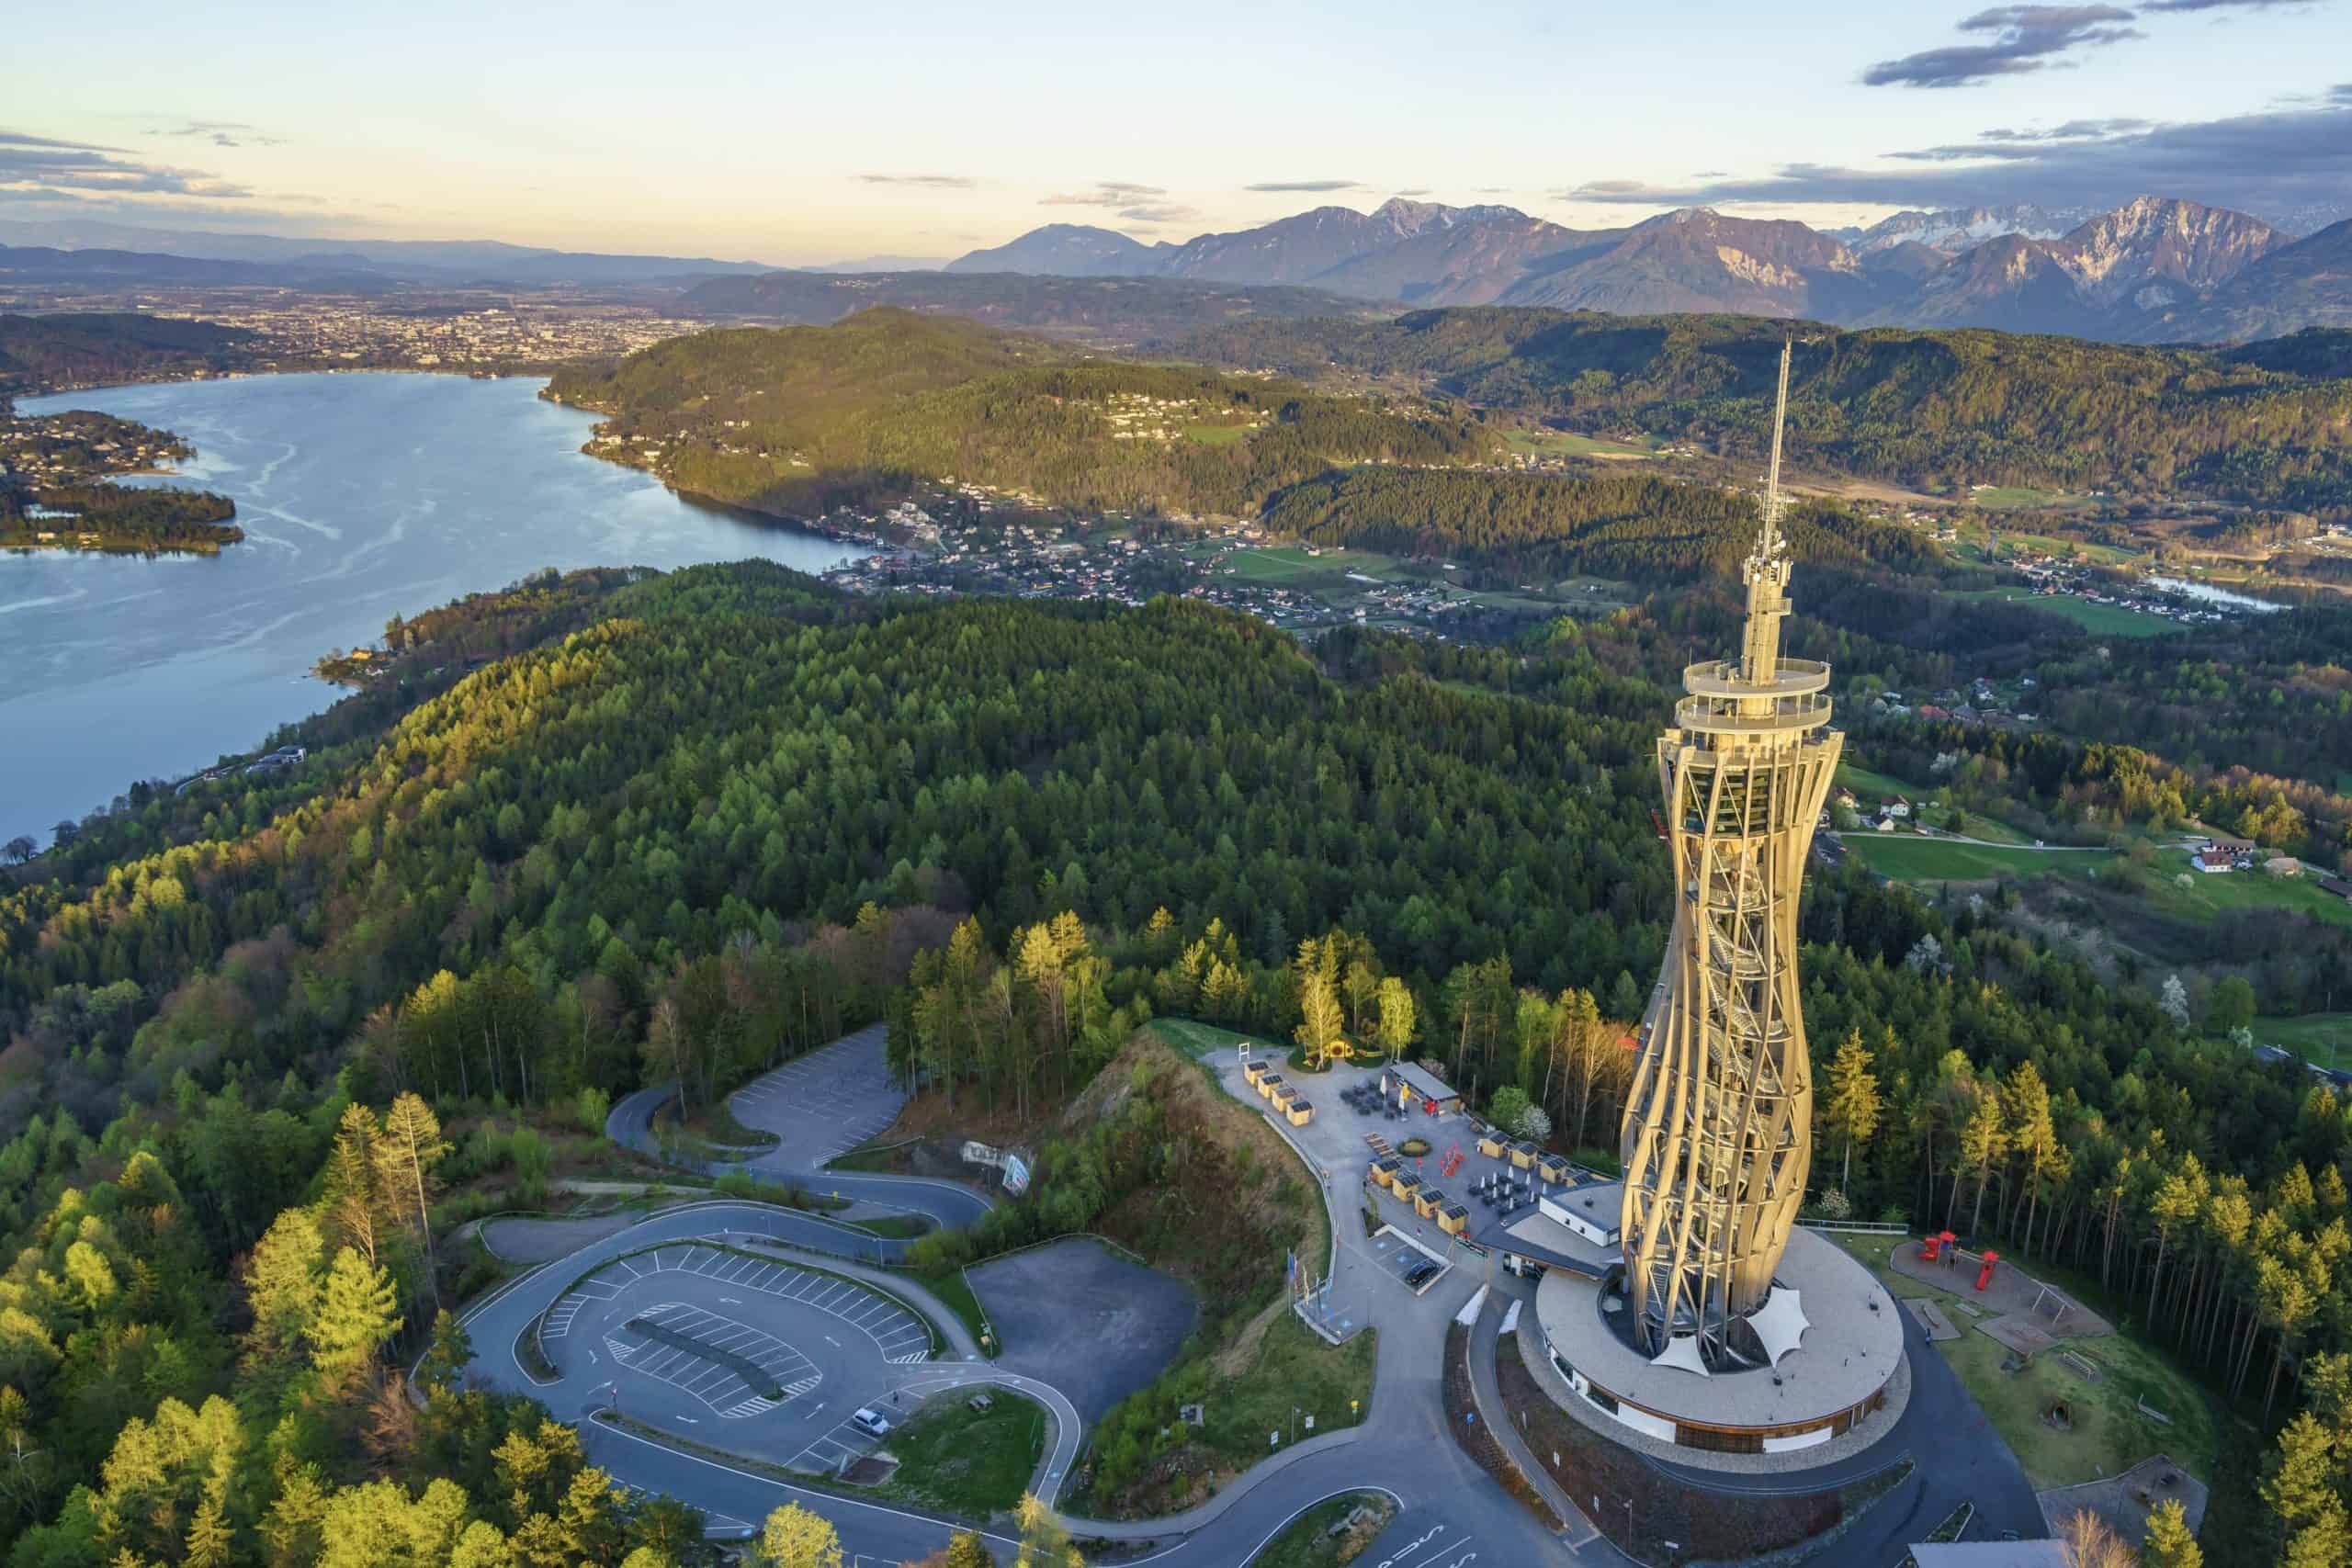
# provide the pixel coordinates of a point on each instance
(1299, 1112)
(1254, 1070)
(1404, 1183)
(1384, 1170)
(1428, 1201)
(1492, 1144)
(1267, 1083)
(1453, 1219)
(1552, 1167)
(1522, 1156)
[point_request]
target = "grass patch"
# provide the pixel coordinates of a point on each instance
(712, 1128)
(1908, 858)
(532, 1358)
(894, 1227)
(888, 1159)
(1568, 444)
(966, 1462)
(1133, 1471)
(2100, 620)
(2321, 1037)
(1197, 1039)
(1217, 435)
(1287, 563)
(2024, 498)
(1317, 1538)
(742, 1184)
(2108, 1432)
(1873, 787)
(955, 1292)
(2213, 895)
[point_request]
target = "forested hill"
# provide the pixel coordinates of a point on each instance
(696, 822)
(1116, 310)
(88, 349)
(797, 418)
(2269, 425)
(1612, 524)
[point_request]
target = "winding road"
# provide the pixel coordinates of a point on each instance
(1451, 1512)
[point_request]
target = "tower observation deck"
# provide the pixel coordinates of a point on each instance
(1717, 1138)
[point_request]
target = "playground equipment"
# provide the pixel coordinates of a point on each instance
(1985, 1275)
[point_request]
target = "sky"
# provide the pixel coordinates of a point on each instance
(795, 134)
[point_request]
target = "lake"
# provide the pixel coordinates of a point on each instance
(2207, 593)
(360, 495)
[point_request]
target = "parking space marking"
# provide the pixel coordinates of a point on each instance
(715, 1383)
(899, 1335)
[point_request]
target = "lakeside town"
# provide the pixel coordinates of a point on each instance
(968, 539)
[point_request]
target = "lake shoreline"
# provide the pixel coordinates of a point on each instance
(361, 496)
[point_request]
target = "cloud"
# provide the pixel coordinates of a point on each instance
(1161, 214)
(2282, 161)
(936, 182)
(40, 165)
(1417, 190)
(2074, 130)
(2024, 39)
(2218, 4)
(1106, 193)
(219, 133)
(1305, 185)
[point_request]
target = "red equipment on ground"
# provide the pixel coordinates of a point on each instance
(1985, 1275)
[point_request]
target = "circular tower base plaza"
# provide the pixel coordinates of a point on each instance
(1849, 1344)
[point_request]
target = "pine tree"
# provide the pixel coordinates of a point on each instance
(1397, 1021)
(2169, 1542)
(796, 1538)
(1854, 1103)
(405, 1153)
(356, 1316)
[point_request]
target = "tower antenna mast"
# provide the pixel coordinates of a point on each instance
(1769, 545)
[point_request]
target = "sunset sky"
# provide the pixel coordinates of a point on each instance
(793, 133)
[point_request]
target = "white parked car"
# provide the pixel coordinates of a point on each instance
(870, 1421)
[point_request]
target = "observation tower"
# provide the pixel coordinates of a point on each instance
(1717, 1137)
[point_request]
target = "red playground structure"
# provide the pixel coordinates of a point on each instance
(1985, 1275)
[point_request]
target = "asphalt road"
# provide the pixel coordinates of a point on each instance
(1451, 1515)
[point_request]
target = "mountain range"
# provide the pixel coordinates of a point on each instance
(2156, 269)
(279, 258)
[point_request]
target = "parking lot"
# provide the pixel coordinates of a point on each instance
(843, 1445)
(696, 1332)
(825, 1103)
(734, 1369)
(901, 1337)
(1398, 1257)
